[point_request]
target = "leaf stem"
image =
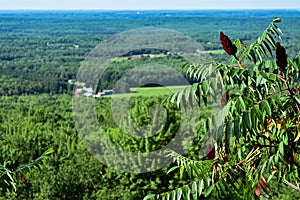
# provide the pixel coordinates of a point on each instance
(292, 186)
(239, 62)
(279, 76)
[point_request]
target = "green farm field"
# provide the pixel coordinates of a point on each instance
(149, 91)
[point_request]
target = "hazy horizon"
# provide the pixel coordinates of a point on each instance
(208, 9)
(147, 5)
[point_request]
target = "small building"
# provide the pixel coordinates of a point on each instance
(101, 93)
(87, 92)
(90, 90)
(108, 92)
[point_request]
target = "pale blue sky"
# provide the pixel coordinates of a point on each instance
(149, 4)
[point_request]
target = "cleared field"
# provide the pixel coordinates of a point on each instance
(149, 91)
(216, 52)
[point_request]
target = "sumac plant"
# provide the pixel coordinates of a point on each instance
(257, 142)
(9, 178)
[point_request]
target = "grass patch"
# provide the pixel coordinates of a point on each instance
(149, 91)
(215, 52)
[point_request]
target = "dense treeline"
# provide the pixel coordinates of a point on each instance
(40, 51)
(32, 124)
(29, 125)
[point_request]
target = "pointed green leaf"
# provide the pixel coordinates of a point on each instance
(264, 105)
(167, 196)
(194, 190)
(258, 113)
(254, 119)
(172, 169)
(196, 170)
(276, 20)
(179, 98)
(219, 135)
(149, 196)
(270, 161)
(204, 87)
(181, 171)
(271, 40)
(281, 148)
(278, 29)
(262, 50)
(258, 54)
(187, 92)
(173, 195)
(209, 190)
(179, 193)
(267, 46)
(252, 55)
(228, 132)
(242, 103)
(247, 123)
(237, 129)
(200, 187)
(186, 192)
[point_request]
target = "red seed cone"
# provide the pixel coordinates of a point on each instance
(257, 191)
(281, 57)
(227, 44)
(225, 98)
(23, 178)
(262, 184)
(210, 152)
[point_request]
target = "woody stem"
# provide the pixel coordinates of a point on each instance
(240, 65)
(291, 185)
